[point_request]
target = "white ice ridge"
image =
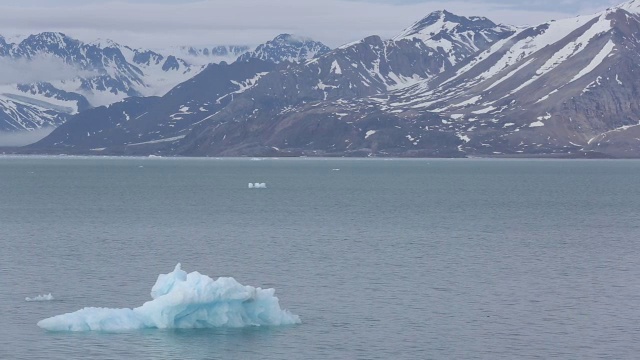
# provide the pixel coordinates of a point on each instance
(183, 301)
(257, 185)
(47, 297)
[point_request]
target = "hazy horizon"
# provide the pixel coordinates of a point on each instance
(251, 22)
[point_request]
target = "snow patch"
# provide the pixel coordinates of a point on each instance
(470, 101)
(463, 137)
(485, 110)
(597, 60)
(545, 117)
(335, 68)
(546, 96)
(175, 138)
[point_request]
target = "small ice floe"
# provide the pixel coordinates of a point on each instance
(47, 297)
(257, 185)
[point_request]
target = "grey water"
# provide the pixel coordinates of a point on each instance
(401, 259)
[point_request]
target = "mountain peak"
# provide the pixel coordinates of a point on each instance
(289, 38)
(445, 21)
(49, 37)
(287, 47)
(47, 40)
(104, 43)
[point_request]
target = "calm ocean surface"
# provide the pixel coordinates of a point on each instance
(402, 259)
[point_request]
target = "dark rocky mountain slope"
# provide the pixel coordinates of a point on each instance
(344, 76)
(448, 86)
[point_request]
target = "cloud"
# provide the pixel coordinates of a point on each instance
(39, 69)
(210, 22)
(23, 138)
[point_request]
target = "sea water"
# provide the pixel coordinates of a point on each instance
(383, 259)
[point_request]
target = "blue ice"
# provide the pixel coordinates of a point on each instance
(184, 301)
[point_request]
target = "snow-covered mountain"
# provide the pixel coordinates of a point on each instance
(137, 123)
(455, 36)
(287, 47)
(567, 86)
(368, 67)
(67, 76)
(447, 86)
(562, 88)
(49, 76)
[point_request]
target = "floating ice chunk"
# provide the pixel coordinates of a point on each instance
(184, 301)
(47, 297)
(257, 185)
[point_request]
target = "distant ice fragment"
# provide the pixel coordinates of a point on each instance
(184, 301)
(47, 297)
(257, 185)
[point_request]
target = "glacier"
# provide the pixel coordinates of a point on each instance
(183, 301)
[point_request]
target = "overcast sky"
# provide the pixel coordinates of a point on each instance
(163, 23)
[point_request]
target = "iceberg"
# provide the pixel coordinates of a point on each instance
(184, 301)
(47, 297)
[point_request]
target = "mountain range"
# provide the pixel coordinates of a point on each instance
(447, 86)
(63, 76)
(73, 76)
